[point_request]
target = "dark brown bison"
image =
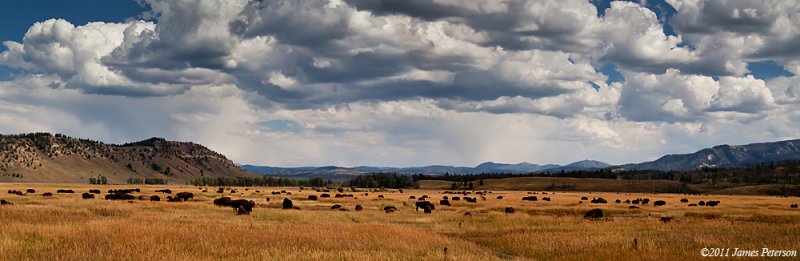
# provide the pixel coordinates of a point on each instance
(95, 191)
(336, 206)
(499, 197)
(509, 210)
(389, 209)
(467, 214)
(3, 202)
(659, 203)
(380, 196)
(87, 196)
(793, 206)
(287, 204)
(712, 203)
(633, 207)
(30, 191)
(155, 198)
(594, 214)
(312, 197)
(684, 200)
(584, 198)
(412, 197)
(173, 199)
(121, 191)
(617, 201)
(530, 198)
(456, 198)
(627, 201)
(47, 194)
(223, 202)
(67, 191)
(665, 219)
(424, 205)
(221, 190)
(165, 191)
(546, 198)
(325, 195)
(444, 202)
(185, 196)
(692, 205)
(242, 206)
(119, 196)
(16, 192)
(701, 203)
(471, 200)
(359, 208)
(599, 201)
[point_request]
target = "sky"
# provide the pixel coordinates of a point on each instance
(406, 82)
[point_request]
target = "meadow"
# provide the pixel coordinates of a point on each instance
(67, 227)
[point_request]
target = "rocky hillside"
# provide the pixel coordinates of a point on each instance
(44, 157)
(725, 156)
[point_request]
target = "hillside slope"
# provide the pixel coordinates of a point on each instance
(725, 156)
(43, 157)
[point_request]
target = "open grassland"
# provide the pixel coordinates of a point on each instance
(67, 227)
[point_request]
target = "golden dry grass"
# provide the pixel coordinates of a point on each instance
(66, 227)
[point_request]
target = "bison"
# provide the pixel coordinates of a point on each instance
(312, 197)
(456, 198)
(174, 199)
(359, 208)
(184, 196)
(701, 203)
(584, 198)
(546, 198)
(599, 201)
(712, 203)
(31, 191)
(617, 201)
(336, 206)
(3, 202)
(530, 198)
(389, 209)
(594, 214)
(499, 197)
(424, 205)
(793, 206)
(119, 196)
(684, 200)
(87, 196)
(665, 219)
(633, 207)
(659, 203)
(444, 202)
(155, 198)
(166, 191)
(94, 191)
(325, 195)
(509, 210)
(287, 204)
(67, 191)
(471, 200)
(47, 194)
(692, 205)
(223, 202)
(242, 206)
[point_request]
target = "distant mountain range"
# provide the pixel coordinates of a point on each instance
(723, 156)
(334, 172)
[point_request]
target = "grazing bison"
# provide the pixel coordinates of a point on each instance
(546, 198)
(530, 198)
(47, 194)
(389, 209)
(617, 201)
(16, 192)
(635, 201)
(336, 206)
(701, 203)
(444, 202)
(222, 202)
(499, 197)
(456, 198)
(67, 191)
(221, 190)
(174, 199)
(31, 191)
(712, 203)
(665, 219)
(594, 214)
(155, 198)
(467, 214)
(412, 197)
(684, 200)
(325, 195)
(424, 205)
(119, 196)
(121, 191)
(185, 196)
(287, 204)
(380, 196)
(633, 207)
(94, 191)
(659, 203)
(312, 197)
(793, 206)
(87, 196)
(166, 191)
(584, 198)
(359, 208)
(3, 202)
(509, 210)
(242, 206)
(627, 201)
(471, 200)
(599, 201)
(692, 205)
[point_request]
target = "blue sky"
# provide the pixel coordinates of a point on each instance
(403, 83)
